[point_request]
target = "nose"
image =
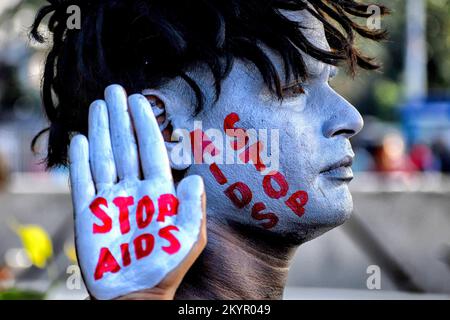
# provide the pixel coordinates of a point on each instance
(344, 119)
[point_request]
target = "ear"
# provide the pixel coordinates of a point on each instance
(173, 115)
(158, 103)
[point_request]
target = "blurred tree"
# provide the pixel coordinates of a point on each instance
(14, 54)
(438, 26)
(381, 93)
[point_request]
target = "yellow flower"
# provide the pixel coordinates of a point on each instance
(37, 244)
(71, 253)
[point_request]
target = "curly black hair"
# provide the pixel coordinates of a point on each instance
(144, 43)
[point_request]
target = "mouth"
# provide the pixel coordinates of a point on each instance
(340, 170)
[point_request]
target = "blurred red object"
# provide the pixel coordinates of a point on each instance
(422, 157)
(392, 156)
(6, 278)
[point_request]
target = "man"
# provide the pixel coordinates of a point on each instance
(233, 66)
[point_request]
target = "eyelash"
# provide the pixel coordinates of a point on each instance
(298, 89)
(294, 90)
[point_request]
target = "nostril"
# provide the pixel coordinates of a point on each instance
(344, 132)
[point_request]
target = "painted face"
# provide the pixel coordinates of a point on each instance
(305, 192)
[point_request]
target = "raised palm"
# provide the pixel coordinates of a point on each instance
(134, 231)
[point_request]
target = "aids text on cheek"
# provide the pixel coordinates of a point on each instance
(142, 245)
(225, 146)
(274, 183)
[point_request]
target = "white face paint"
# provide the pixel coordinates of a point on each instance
(130, 230)
(315, 151)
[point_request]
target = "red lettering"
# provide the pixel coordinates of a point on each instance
(123, 203)
(218, 174)
(106, 263)
(240, 135)
(168, 206)
(201, 143)
(144, 205)
(282, 185)
(230, 121)
(143, 245)
(102, 215)
(252, 154)
(297, 202)
(240, 138)
(240, 194)
(174, 246)
(244, 191)
(125, 250)
(257, 215)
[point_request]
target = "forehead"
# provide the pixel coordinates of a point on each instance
(313, 30)
(245, 77)
(311, 27)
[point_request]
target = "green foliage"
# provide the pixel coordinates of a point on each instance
(438, 31)
(385, 90)
(16, 294)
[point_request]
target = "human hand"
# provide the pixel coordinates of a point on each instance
(136, 237)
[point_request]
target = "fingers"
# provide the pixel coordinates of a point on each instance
(152, 150)
(122, 135)
(192, 207)
(100, 148)
(81, 181)
(191, 194)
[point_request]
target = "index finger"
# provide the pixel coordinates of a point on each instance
(153, 152)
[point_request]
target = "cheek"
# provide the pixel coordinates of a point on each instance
(247, 190)
(244, 194)
(301, 159)
(300, 152)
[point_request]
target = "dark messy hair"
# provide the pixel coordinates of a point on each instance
(144, 43)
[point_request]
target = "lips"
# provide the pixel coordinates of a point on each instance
(340, 170)
(347, 161)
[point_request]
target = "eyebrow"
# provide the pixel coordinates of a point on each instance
(333, 71)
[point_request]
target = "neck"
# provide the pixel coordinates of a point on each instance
(238, 263)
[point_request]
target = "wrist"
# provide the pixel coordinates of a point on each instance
(150, 294)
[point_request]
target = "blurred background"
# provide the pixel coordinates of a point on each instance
(400, 229)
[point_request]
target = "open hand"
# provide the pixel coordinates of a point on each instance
(136, 236)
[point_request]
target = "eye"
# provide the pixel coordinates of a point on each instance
(293, 90)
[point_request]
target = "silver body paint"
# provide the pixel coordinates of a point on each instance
(107, 166)
(314, 134)
(310, 140)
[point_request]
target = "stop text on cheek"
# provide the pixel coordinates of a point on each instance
(274, 183)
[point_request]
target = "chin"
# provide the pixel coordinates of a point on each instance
(321, 217)
(341, 215)
(311, 231)
(341, 208)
